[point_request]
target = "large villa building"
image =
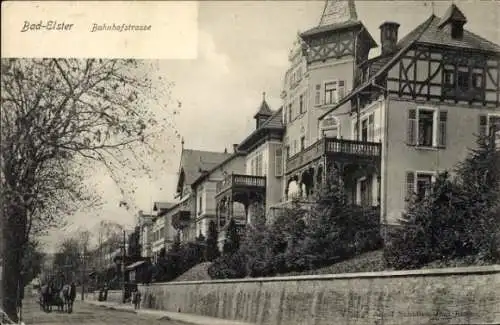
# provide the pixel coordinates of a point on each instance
(387, 124)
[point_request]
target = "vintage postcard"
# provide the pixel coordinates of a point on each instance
(250, 162)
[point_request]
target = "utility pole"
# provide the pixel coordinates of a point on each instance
(123, 265)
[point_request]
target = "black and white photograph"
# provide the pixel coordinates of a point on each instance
(312, 162)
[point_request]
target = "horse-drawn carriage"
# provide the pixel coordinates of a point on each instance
(63, 298)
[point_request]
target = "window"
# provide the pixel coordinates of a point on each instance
(419, 183)
(329, 127)
(294, 146)
(371, 128)
(427, 127)
(200, 204)
(289, 112)
(424, 182)
(301, 104)
(330, 92)
(302, 143)
(278, 164)
(489, 125)
(317, 97)
(287, 151)
(463, 80)
(449, 77)
(477, 81)
(364, 130)
(366, 192)
(258, 165)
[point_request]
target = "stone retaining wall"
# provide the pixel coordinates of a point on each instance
(439, 296)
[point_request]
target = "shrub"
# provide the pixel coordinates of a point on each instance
(459, 217)
(211, 248)
(232, 240)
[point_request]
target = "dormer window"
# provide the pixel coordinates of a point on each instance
(329, 127)
(456, 20)
(457, 30)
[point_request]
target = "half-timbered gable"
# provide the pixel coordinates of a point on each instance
(447, 63)
(425, 98)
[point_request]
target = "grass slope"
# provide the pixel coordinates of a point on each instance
(196, 273)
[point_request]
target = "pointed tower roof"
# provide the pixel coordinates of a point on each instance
(264, 109)
(338, 11)
(337, 15)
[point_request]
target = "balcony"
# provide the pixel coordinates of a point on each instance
(181, 219)
(237, 182)
(338, 149)
(241, 189)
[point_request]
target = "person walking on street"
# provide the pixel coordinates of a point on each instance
(136, 298)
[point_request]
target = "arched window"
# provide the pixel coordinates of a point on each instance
(330, 127)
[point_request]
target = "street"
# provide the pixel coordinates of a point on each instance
(84, 313)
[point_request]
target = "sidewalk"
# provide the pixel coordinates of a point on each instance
(161, 314)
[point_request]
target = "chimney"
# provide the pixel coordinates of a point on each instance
(235, 147)
(389, 36)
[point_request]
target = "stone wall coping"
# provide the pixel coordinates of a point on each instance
(471, 270)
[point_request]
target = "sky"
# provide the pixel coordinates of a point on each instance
(243, 51)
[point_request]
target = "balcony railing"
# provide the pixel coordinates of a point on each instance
(237, 180)
(326, 146)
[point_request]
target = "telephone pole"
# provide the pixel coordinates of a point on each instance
(124, 253)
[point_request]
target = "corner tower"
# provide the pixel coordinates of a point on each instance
(338, 34)
(323, 65)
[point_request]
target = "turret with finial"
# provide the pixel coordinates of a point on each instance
(264, 112)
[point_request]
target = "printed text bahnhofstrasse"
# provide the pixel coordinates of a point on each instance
(119, 28)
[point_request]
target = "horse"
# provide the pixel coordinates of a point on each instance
(68, 295)
(45, 298)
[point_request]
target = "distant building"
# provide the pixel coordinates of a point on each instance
(193, 164)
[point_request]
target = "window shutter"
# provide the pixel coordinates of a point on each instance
(483, 125)
(371, 128)
(443, 116)
(317, 97)
(410, 184)
(279, 162)
(412, 127)
(341, 90)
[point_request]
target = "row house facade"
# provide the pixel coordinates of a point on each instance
(145, 224)
(193, 208)
(386, 124)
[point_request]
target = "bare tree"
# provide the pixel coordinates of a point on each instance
(59, 118)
